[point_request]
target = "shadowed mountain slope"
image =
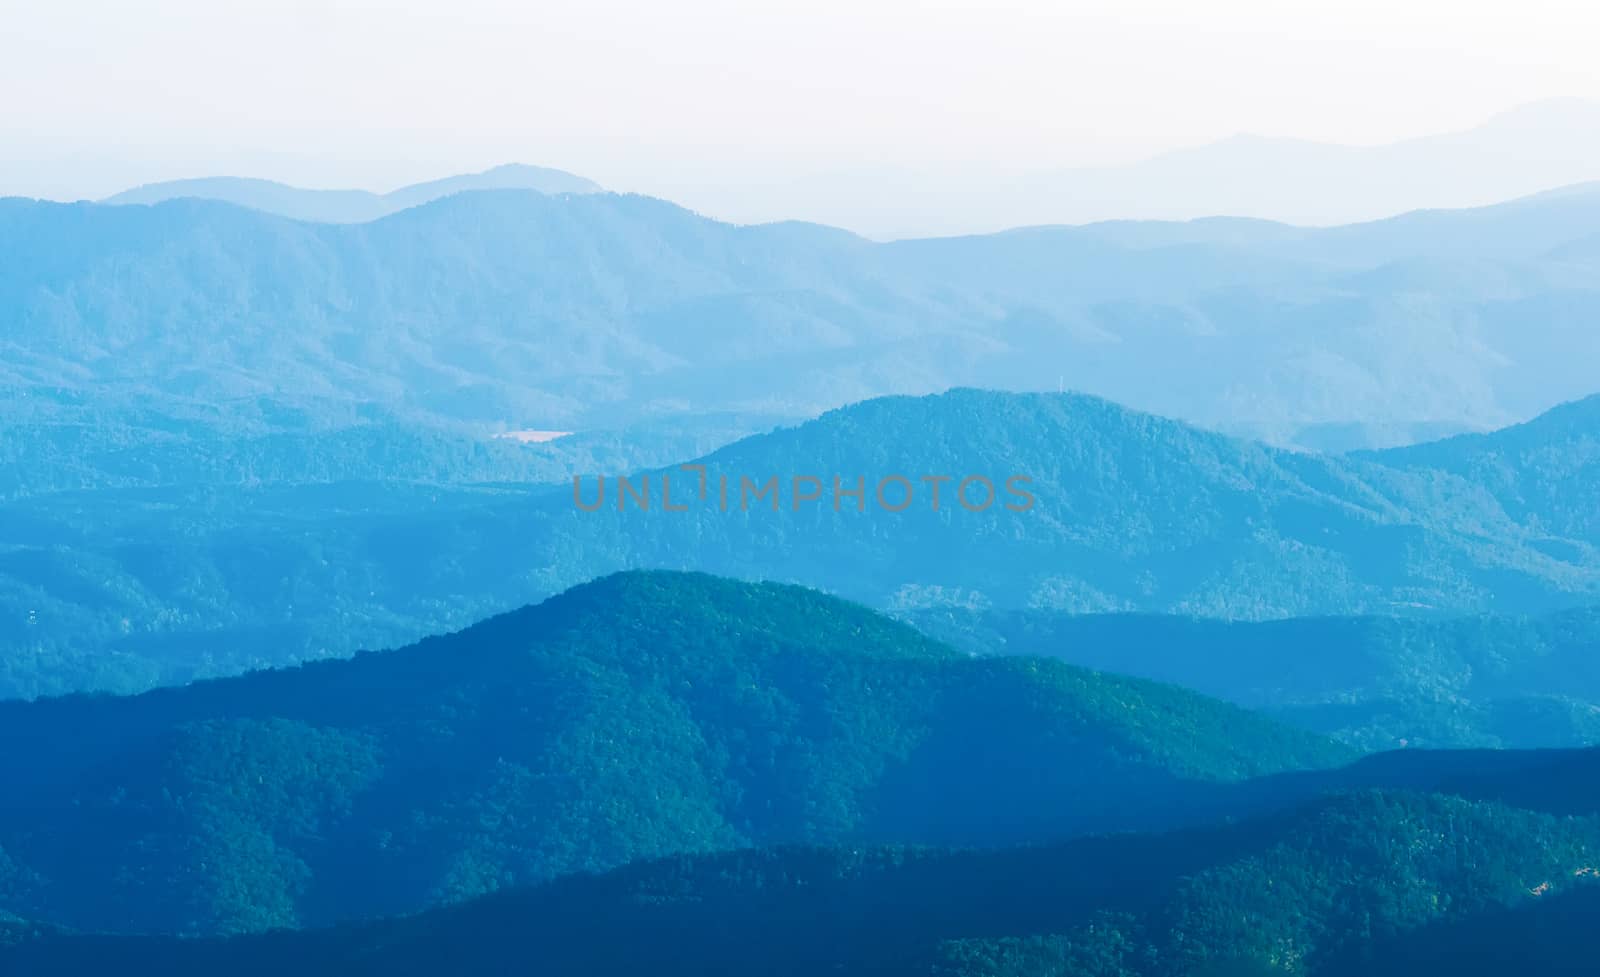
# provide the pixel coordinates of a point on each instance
(1342, 887)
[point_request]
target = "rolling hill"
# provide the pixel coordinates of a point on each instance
(637, 716)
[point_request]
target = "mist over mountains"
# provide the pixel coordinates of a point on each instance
(1533, 148)
(503, 310)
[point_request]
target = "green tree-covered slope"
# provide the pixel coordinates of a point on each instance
(1326, 891)
(1376, 682)
(1544, 473)
(639, 715)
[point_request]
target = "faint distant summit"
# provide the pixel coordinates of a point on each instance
(1523, 151)
(511, 176)
(352, 206)
(1520, 152)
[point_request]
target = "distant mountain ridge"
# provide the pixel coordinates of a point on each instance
(1525, 150)
(498, 309)
(1529, 149)
(351, 206)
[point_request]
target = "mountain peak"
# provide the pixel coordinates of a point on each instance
(352, 206)
(701, 610)
(507, 176)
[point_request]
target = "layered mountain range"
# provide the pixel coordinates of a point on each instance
(651, 715)
(1268, 649)
(1130, 512)
(501, 310)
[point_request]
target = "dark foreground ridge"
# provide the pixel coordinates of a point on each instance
(1371, 882)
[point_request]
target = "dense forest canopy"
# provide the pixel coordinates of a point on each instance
(1372, 882)
(636, 716)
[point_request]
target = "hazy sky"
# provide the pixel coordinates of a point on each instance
(671, 97)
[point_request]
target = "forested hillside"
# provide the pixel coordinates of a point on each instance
(1348, 886)
(1545, 473)
(640, 715)
(1376, 682)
